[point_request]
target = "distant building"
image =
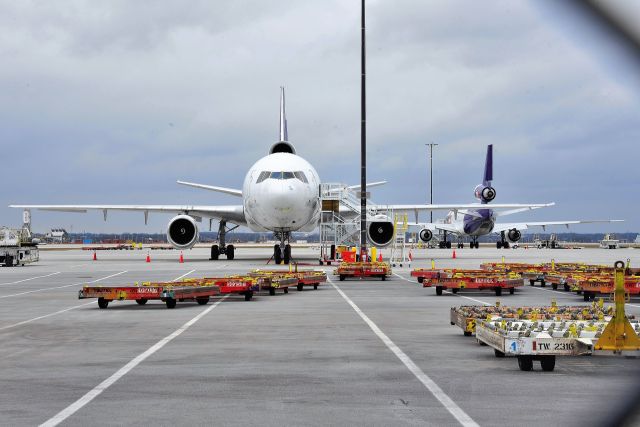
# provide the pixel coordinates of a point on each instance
(57, 235)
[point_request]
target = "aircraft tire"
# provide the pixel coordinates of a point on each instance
(287, 254)
(215, 253)
(277, 256)
(231, 252)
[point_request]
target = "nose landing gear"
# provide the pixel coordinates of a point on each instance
(282, 252)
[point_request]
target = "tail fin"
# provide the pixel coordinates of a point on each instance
(283, 118)
(488, 166)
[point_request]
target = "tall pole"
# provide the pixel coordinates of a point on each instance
(431, 145)
(363, 146)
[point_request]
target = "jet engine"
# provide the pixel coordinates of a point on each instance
(380, 232)
(182, 232)
(485, 194)
(425, 235)
(514, 235)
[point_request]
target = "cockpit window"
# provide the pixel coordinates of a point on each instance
(276, 175)
(301, 176)
(287, 175)
(263, 176)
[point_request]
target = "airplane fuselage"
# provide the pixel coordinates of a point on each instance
(478, 222)
(281, 193)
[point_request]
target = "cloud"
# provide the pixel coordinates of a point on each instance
(112, 102)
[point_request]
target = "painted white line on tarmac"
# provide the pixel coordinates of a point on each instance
(461, 296)
(24, 322)
(185, 274)
(97, 390)
(61, 287)
(462, 417)
(31, 278)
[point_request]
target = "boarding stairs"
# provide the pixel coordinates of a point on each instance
(399, 253)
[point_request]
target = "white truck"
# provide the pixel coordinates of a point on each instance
(17, 247)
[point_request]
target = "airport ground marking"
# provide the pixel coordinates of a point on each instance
(459, 414)
(97, 390)
(61, 287)
(24, 322)
(461, 296)
(184, 275)
(31, 278)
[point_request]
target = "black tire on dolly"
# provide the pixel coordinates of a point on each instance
(454, 290)
(315, 286)
(141, 301)
(286, 290)
(103, 303)
(525, 363)
(342, 276)
(300, 286)
(438, 290)
(248, 295)
(548, 363)
(202, 300)
(498, 291)
(498, 353)
(554, 286)
(272, 291)
(467, 333)
(383, 277)
(512, 291)
(171, 303)
(420, 279)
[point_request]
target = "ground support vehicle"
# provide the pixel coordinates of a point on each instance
(168, 292)
(456, 279)
(239, 285)
(363, 270)
(18, 255)
(539, 341)
(305, 277)
(592, 286)
(466, 316)
(272, 283)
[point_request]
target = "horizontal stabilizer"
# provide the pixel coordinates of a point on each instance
(232, 191)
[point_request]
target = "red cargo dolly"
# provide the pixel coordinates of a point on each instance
(235, 285)
(168, 292)
(363, 269)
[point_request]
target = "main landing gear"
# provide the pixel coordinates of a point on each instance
(282, 252)
(223, 248)
(502, 243)
(444, 243)
(474, 244)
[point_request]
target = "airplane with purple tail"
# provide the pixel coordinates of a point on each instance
(481, 221)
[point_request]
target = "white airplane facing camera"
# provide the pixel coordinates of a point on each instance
(281, 193)
(481, 221)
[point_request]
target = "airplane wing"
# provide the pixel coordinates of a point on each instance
(232, 213)
(525, 225)
(433, 226)
(460, 207)
(232, 191)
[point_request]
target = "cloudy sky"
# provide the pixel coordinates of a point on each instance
(111, 102)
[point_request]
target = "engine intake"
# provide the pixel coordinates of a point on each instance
(485, 194)
(380, 233)
(425, 235)
(514, 235)
(182, 232)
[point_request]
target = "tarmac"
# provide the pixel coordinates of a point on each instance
(358, 352)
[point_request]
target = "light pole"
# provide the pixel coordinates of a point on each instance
(431, 145)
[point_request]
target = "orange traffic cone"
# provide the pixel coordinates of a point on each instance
(181, 258)
(148, 257)
(95, 257)
(454, 254)
(380, 257)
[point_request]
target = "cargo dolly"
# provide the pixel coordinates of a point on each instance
(466, 316)
(592, 286)
(273, 281)
(456, 279)
(168, 292)
(363, 270)
(305, 277)
(239, 285)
